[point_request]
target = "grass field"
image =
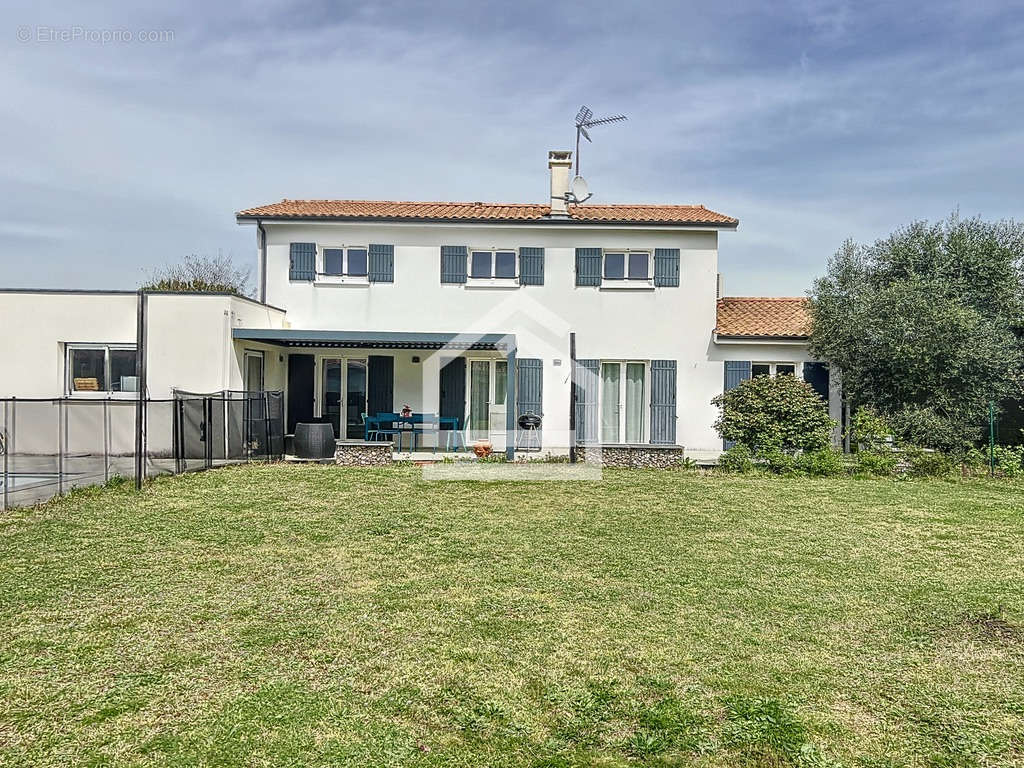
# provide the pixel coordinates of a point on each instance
(284, 615)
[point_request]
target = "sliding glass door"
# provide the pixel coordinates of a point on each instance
(610, 402)
(623, 395)
(344, 382)
(479, 398)
(331, 403)
(634, 411)
(355, 399)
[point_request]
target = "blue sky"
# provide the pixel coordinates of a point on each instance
(809, 121)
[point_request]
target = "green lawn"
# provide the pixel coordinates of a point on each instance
(287, 615)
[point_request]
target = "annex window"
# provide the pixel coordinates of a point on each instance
(773, 369)
(486, 263)
(627, 265)
(349, 261)
(101, 368)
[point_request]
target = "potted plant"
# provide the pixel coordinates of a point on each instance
(406, 411)
(482, 448)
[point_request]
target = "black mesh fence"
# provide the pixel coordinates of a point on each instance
(49, 447)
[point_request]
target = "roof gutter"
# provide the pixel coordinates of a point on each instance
(795, 341)
(244, 219)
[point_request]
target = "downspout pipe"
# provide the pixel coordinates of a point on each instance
(262, 237)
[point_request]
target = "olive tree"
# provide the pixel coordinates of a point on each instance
(925, 325)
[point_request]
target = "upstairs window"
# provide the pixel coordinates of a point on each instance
(627, 265)
(338, 262)
(101, 368)
(492, 263)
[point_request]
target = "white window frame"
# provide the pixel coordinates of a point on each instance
(646, 417)
(626, 281)
(798, 368)
(319, 390)
(492, 392)
(101, 393)
(492, 281)
(344, 277)
(254, 353)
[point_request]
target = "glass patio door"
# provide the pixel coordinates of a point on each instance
(253, 372)
(634, 411)
(331, 410)
(610, 396)
(623, 392)
(479, 398)
(355, 399)
(344, 397)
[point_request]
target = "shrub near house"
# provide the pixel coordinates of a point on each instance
(769, 415)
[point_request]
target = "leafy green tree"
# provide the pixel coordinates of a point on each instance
(925, 325)
(776, 414)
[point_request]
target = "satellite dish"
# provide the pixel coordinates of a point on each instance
(579, 189)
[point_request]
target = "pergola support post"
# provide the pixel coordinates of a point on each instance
(510, 405)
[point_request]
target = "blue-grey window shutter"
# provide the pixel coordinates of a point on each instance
(586, 376)
(382, 263)
(736, 371)
(302, 261)
(380, 375)
(666, 267)
(663, 402)
(529, 387)
(453, 263)
(816, 374)
(531, 266)
(588, 266)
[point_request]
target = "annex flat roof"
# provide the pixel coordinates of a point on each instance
(296, 337)
(763, 317)
(478, 212)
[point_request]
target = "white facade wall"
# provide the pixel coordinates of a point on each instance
(188, 339)
(190, 343)
(610, 324)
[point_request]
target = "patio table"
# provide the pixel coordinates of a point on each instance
(415, 425)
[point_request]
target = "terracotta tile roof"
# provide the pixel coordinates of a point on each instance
(763, 316)
(392, 210)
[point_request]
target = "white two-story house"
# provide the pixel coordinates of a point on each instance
(605, 321)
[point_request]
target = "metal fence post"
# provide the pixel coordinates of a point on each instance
(267, 444)
(60, 446)
(176, 436)
(12, 437)
(5, 436)
(145, 437)
(208, 419)
(991, 439)
(106, 440)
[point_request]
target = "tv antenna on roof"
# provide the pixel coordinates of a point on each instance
(585, 119)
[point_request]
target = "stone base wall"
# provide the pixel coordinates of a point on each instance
(632, 456)
(362, 454)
